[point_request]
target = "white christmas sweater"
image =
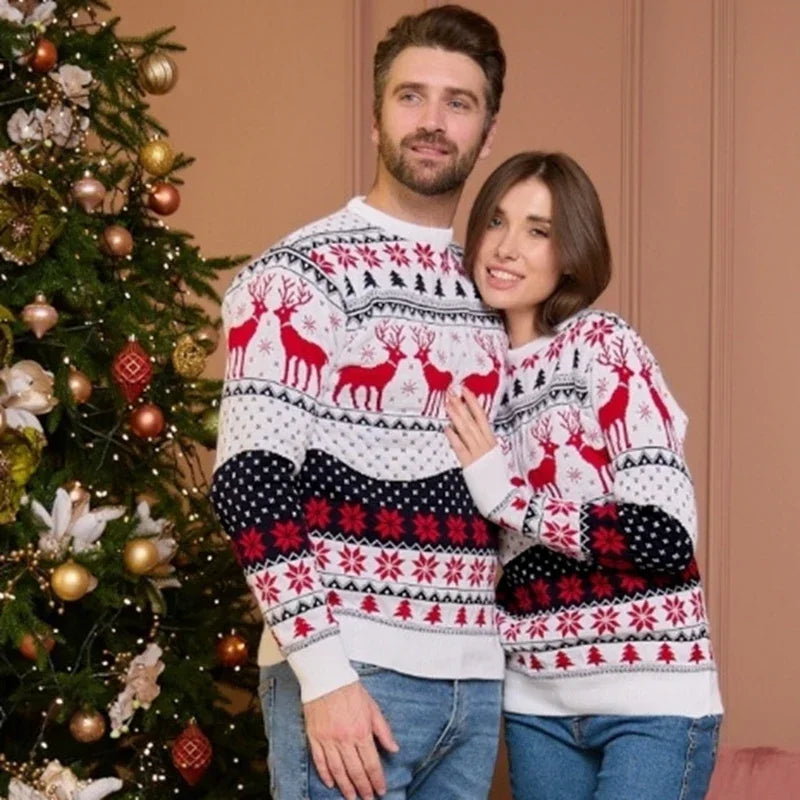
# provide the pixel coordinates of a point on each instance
(346, 506)
(601, 606)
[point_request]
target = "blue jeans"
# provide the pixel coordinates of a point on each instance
(447, 731)
(610, 757)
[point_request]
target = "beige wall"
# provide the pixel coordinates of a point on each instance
(685, 113)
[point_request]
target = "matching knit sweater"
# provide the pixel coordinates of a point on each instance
(346, 506)
(601, 607)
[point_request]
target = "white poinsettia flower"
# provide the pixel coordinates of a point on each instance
(146, 525)
(71, 528)
(9, 13)
(23, 127)
(64, 127)
(97, 790)
(26, 389)
(42, 14)
(75, 83)
(17, 790)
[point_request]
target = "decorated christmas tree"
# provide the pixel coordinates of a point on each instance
(123, 612)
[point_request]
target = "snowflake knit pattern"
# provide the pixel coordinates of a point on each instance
(601, 605)
(346, 506)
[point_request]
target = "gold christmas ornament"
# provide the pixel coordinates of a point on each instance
(87, 726)
(157, 157)
(188, 357)
(44, 56)
(147, 420)
(88, 193)
(117, 241)
(80, 386)
(158, 73)
(140, 556)
(71, 581)
(30, 645)
(232, 651)
(210, 424)
(39, 316)
(163, 198)
(207, 337)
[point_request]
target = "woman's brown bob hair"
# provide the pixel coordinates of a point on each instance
(577, 229)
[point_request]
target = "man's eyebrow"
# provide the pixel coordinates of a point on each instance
(450, 90)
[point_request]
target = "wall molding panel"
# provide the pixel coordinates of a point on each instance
(631, 162)
(721, 324)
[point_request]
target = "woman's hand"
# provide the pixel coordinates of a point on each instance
(470, 434)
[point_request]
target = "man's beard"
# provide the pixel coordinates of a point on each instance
(429, 182)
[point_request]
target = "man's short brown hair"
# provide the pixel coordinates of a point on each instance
(448, 27)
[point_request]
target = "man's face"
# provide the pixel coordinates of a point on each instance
(433, 123)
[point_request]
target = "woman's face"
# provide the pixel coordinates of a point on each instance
(515, 266)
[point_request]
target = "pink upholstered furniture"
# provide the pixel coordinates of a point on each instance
(756, 773)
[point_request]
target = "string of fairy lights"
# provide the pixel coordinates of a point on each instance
(170, 449)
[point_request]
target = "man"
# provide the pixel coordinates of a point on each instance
(372, 567)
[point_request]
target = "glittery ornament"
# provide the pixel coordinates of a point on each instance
(188, 357)
(132, 370)
(191, 753)
(157, 157)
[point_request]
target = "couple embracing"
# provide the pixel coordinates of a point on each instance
(399, 419)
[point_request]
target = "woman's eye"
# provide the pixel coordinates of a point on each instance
(494, 222)
(540, 232)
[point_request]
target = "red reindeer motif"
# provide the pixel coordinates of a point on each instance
(598, 457)
(543, 476)
(438, 380)
(484, 385)
(612, 413)
(355, 376)
(297, 348)
(240, 335)
(646, 372)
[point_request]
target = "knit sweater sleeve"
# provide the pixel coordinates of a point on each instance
(280, 326)
(646, 520)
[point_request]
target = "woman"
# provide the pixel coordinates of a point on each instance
(611, 689)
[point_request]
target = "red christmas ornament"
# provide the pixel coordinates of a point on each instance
(191, 753)
(131, 370)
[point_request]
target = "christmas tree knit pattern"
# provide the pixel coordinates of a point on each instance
(601, 605)
(348, 511)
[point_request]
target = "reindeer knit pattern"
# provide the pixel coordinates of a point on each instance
(601, 609)
(345, 503)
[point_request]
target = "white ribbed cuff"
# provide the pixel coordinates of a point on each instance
(489, 483)
(321, 667)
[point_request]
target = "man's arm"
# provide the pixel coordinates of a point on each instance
(276, 367)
